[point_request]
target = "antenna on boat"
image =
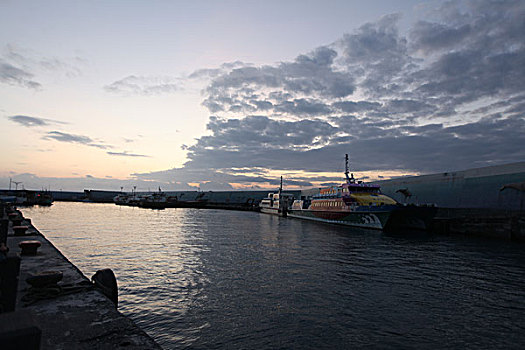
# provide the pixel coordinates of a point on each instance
(348, 179)
(346, 168)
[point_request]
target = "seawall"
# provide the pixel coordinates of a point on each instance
(489, 223)
(67, 314)
(482, 202)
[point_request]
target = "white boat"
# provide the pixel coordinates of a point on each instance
(276, 203)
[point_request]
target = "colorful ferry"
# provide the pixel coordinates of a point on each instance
(353, 203)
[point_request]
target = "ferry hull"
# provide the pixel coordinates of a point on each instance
(366, 219)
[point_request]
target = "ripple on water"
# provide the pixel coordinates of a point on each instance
(224, 279)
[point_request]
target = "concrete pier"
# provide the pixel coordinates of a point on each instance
(70, 314)
(501, 224)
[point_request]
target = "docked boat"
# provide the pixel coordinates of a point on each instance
(44, 199)
(353, 203)
(160, 200)
(131, 200)
(157, 200)
(276, 203)
(122, 199)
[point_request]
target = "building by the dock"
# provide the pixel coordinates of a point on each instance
(496, 187)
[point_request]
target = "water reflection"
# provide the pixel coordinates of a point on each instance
(212, 279)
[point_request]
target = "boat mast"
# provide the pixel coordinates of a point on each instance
(281, 185)
(348, 179)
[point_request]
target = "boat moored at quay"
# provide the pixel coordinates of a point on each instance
(353, 203)
(276, 203)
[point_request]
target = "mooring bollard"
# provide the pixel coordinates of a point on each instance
(105, 280)
(29, 247)
(45, 278)
(20, 230)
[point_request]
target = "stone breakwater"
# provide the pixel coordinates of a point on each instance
(47, 303)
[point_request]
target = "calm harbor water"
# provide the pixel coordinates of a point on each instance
(224, 279)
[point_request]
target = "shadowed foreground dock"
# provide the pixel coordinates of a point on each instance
(71, 314)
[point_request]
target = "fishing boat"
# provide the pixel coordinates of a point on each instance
(276, 203)
(353, 203)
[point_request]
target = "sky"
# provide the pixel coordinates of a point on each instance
(221, 95)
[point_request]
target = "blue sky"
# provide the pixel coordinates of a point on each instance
(233, 94)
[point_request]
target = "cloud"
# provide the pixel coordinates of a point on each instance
(288, 88)
(126, 154)
(54, 64)
(28, 121)
(145, 85)
(72, 138)
(315, 145)
(478, 53)
(447, 94)
(157, 85)
(467, 55)
(376, 55)
(450, 94)
(260, 132)
(18, 66)
(207, 73)
(211, 179)
(12, 75)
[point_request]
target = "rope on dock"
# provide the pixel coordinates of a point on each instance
(35, 294)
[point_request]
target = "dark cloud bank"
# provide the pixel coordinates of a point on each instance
(449, 94)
